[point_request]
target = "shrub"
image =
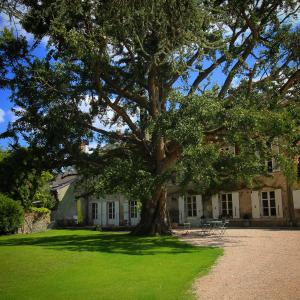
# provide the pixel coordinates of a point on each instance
(40, 210)
(11, 215)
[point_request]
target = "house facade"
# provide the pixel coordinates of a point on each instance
(270, 202)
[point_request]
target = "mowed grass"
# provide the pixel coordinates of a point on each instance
(83, 264)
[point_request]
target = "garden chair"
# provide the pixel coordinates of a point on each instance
(223, 228)
(205, 229)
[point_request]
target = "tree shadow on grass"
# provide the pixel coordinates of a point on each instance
(106, 243)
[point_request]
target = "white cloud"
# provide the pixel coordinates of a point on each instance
(85, 104)
(14, 113)
(2, 115)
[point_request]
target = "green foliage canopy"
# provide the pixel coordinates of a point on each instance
(160, 86)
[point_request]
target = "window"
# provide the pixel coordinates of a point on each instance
(94, 211)
(111, 210)
(191, 206)
(271, 163)
(270, 166)
(133, 209)
(227, 150)
(268, 204)
(226, 200)
(298, 167)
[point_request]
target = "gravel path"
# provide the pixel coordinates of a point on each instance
(257, 264)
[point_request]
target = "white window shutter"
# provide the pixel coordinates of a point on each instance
(104, 211)
(215, 206)
(275, 146)
(232, 149)
(100, 212)
(117, 213)
(296, 199)
(255, 203)
(278, 201)
(139, 212)
(90, 212)
(181, 209)
(199, 205)
(236, 205)
(126, 210)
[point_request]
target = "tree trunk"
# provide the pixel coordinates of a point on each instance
(154, 215)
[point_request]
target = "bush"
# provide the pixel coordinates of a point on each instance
(11, 215)
(40, 210)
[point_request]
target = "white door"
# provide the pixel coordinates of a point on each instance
(95, 213)
(134, 214)
(111, 213)
(191, 207)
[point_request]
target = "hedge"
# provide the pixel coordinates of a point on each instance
(11, 215)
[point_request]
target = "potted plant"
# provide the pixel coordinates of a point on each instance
(246, 220)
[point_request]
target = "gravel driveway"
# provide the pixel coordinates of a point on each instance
(257, 264)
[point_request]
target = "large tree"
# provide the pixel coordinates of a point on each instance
(161, 86)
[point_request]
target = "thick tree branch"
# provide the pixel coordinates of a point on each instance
(295, 77)
(115, 87)
(202, 75)
(236, 67)
(178, 74)
(118, 109)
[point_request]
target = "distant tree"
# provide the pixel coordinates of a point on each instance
(166, 84)
(21, 180)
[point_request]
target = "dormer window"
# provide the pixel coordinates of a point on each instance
(227, 149)
(270, 166)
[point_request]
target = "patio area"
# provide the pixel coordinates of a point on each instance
(257, 264)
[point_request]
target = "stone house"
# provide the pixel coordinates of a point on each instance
(271, 202)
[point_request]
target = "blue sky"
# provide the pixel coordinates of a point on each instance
(6, 114)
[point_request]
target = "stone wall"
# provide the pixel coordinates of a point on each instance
(35, 222)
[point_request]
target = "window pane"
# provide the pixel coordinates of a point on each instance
(94, 211)
(223, 197)
(264, 195)
(273, 211)
(189, 200)
(224, 206)
(272, 194)
(111, 210)
(265, 204)
(270, 166)
(229, 197)
(230, 212)
(272, 203)
(133, 209)
(230, 204)
(266, 211)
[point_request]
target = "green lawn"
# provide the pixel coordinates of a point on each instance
(83, 264)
